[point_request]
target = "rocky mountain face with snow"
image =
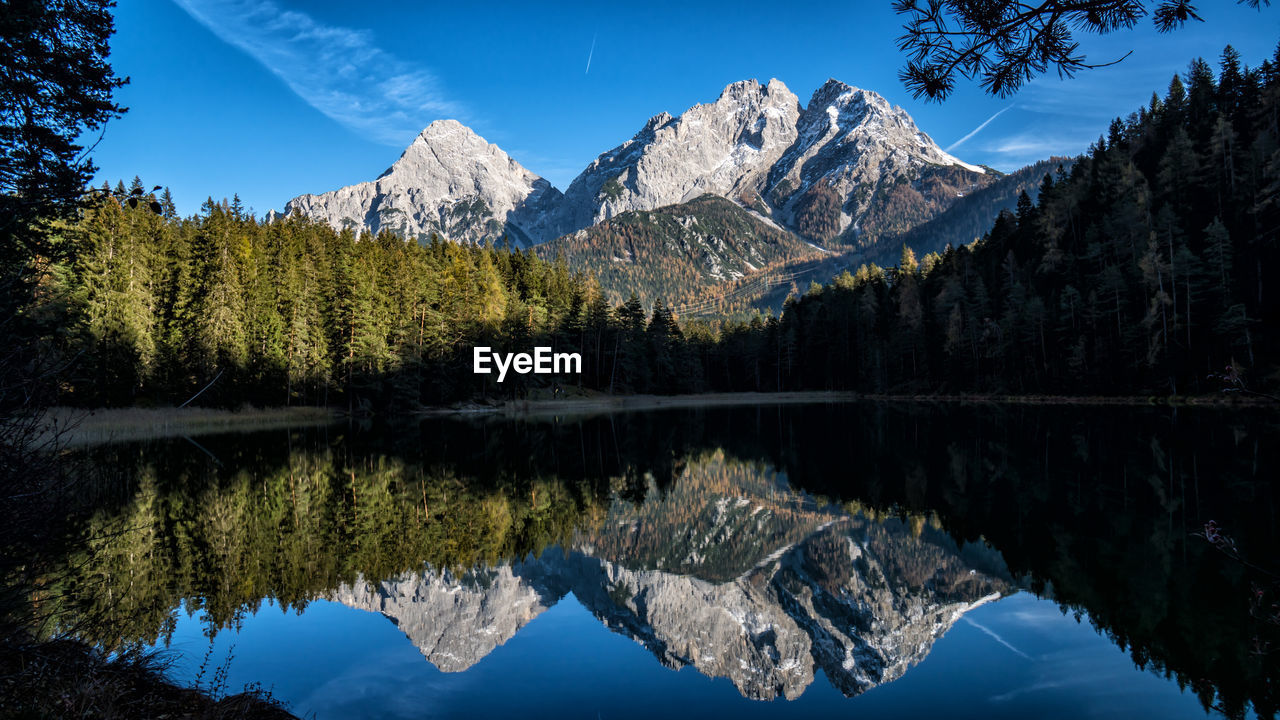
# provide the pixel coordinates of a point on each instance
(725, 148)
(449, 182)
(817, 170)
(854, 157)
(734, 575)
(457, 620)
(846, 166)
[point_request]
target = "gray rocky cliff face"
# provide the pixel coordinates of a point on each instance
(457, 621)
(838, 601)
(853, 142)
(814, 169)
(449, 181)
(723, 148)
(873, 599)
(733, 630)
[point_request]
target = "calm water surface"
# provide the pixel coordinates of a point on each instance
(878, 561)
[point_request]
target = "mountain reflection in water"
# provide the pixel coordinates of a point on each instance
(762, 545)
(729, 572)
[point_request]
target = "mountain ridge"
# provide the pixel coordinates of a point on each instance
(815, 170)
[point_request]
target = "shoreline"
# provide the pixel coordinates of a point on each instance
(77, 427)
(74, 427)
(628, 403)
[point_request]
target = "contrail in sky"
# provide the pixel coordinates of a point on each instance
(593, 52)
(978, 129)
(984, 628)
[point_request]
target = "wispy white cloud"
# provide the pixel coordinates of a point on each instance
(1031, 145)
(978, 129)
(337, 70)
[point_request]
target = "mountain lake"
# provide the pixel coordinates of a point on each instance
(846, 559)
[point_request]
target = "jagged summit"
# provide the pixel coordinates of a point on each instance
(655, 122)
(819, 170)
(449, 181)
(722, 148)
(448, 137)
(444, 126)
(829, 90)
(853, 151)
(743, 88)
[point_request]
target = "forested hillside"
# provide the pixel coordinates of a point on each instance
(907, 202)
(968, 218)
(678, 252)
(155, 308)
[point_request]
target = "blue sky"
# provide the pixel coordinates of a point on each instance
(274, 98)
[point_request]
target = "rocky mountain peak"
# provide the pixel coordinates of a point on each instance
(836, 92)
(655, 122)
(445, 126)
(852, 149)
(451, 148)
(739, 89)
(752, 89)
(829, 91)
(450, 182)
(753, 95)
(722, 148)
(834, 598)
(838, 106)
(817, 170)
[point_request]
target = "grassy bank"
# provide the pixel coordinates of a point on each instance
(76, 427)
(67, 679)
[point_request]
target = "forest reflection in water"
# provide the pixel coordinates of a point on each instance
(759, 544)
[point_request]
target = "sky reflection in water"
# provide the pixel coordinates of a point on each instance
(338, 662)
(844, 557)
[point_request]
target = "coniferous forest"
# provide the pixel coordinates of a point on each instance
(1147, 268)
